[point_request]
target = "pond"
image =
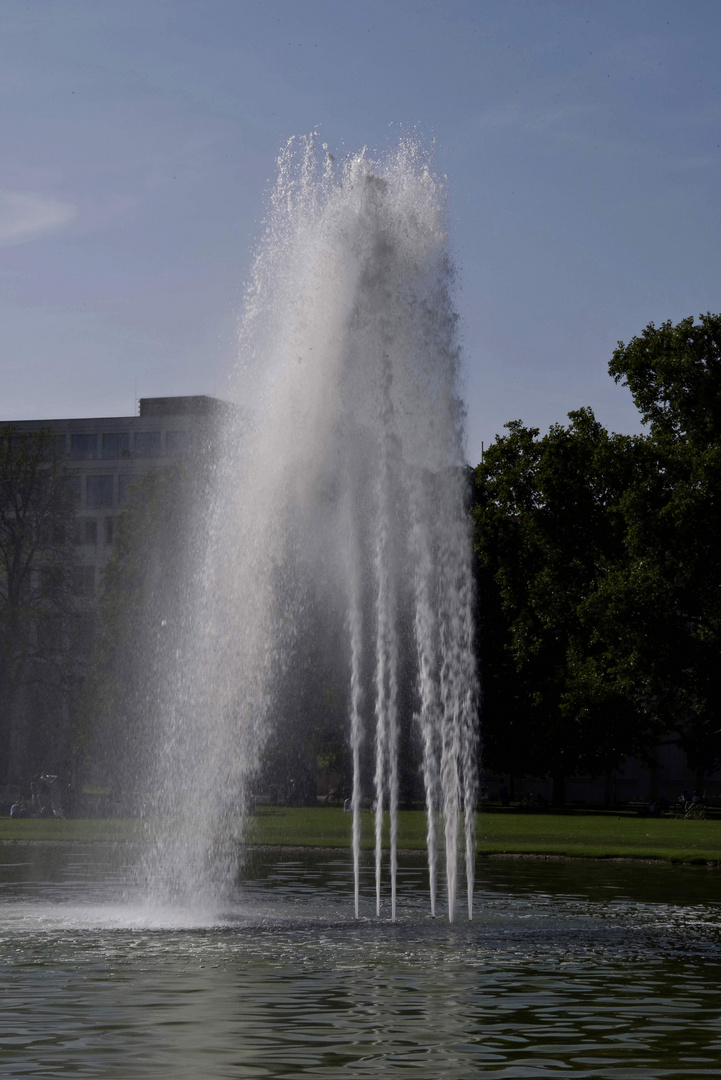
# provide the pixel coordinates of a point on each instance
(580, 969)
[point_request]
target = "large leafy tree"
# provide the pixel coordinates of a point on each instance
(549, 532)
(38, 612)
(600, 568)
(672, 595)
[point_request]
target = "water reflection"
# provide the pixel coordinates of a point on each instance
(581, 969)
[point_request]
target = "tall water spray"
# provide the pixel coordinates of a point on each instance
(340, 486)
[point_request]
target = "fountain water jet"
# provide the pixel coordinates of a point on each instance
(349, 486)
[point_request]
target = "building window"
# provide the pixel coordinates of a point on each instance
(109, 530)
(83, 580)
(124, 485)
(147, 443)
(116, 445)
(178, 442)
(100, 491)
(86, 531)
(84, 447)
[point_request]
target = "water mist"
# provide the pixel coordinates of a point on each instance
(341, 484)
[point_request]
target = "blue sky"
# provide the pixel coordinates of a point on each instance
(581, 142)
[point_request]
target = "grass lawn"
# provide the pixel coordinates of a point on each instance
(601, 836)
(587, 835)
(81, 830)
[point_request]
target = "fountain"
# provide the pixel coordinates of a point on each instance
(338, 488)
(329, 546)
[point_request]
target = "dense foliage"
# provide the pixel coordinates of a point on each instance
(674, 525)
(599, 562)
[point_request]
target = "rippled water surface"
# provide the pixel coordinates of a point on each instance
(573, 969)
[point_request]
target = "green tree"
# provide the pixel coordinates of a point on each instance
(549, 530)
(671, 598)
(674, 375)
(38, 611)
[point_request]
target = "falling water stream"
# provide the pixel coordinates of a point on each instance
(347, 479)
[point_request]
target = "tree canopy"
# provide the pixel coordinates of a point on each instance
(549, 529)
(674, 375)
(674, 523)
(600, 572)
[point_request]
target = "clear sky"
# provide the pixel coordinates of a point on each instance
(580, 139)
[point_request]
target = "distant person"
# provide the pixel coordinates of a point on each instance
(348, 806)
(46, 806)
(19, 809)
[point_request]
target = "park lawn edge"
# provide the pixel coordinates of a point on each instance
(324, 828)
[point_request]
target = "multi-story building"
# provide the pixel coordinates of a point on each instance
(105, 455)
(101, 459)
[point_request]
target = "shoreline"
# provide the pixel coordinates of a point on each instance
(539, 836)
(695, 862)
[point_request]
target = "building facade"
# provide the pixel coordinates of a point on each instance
(104, 456)
(101, 458)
